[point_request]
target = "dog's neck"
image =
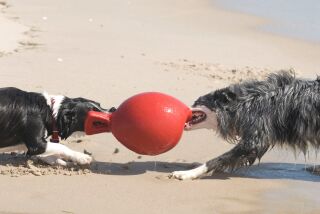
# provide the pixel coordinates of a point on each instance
(54, 102)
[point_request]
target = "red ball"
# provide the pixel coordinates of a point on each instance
(150, 123)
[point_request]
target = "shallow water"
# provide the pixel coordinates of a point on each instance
(289, 171)
(294, 18)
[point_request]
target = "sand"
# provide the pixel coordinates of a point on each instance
(110, 50)
(11, 32)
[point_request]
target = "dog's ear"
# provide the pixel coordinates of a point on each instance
(218, 98)
(230, 96)
(225, 96)
(221, 98)
(65, 121)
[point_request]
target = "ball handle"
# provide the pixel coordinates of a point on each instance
(97, 122)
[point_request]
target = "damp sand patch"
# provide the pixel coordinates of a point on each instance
(219, 72)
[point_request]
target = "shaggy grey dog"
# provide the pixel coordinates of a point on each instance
(280, 110)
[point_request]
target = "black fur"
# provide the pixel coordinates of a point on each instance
(72, 114)
(25, 117)
(282, 110)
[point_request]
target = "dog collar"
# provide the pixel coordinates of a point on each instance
(55, 132)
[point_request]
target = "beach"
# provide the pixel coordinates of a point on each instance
(110, 50)
(290, 18)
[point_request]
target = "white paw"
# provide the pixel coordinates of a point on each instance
(183, 175)
(81, 159)
(190, 174)
(52, 160)
(61, 162)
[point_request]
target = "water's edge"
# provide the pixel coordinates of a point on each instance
(290, 18)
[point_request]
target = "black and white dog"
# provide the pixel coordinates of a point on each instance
(282, 110)
(30, 118)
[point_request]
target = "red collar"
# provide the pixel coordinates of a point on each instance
(55, 132)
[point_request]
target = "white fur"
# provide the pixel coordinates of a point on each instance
(56, 154)
(209, 123)
(57, 102)
(190, 174)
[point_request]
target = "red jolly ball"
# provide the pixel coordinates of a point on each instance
(149, 123)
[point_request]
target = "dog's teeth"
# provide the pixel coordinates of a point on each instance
(197, 117)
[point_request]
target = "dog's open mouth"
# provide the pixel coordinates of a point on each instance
(198, 116)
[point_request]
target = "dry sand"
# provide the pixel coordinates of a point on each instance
(11, 32)
(110, 50)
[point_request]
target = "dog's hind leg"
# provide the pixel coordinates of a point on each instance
(243, 154)
(34, 135)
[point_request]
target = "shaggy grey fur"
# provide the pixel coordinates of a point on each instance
(257, 115)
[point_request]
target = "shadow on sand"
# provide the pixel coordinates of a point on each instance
(136, 168)
(288, 171)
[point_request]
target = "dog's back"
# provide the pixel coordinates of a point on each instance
(16, 108)
(281, 109)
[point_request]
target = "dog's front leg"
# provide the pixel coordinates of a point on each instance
(56, 153)
(51, 153)
(243, 154)
(53, 160)
(190, 174)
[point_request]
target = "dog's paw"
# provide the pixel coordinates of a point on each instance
(190, 174)
(183, 175)
(81, 159)
(51, 160)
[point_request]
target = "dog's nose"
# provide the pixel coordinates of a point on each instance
(112, 109)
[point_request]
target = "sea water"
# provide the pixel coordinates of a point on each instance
(294, 18)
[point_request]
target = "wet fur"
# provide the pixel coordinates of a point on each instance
(281, 110)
